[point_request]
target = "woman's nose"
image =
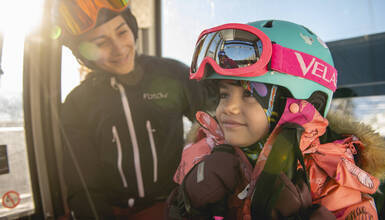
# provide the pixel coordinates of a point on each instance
(117, 48)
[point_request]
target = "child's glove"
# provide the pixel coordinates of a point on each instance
(295, 200)
(213, 179)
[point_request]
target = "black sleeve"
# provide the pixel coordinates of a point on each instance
(197, 96)
(81, 172)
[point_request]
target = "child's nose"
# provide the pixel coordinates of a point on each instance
(233, 106)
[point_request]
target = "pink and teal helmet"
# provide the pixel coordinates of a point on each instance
(269, 51)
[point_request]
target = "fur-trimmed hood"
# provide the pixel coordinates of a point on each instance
(372, 158)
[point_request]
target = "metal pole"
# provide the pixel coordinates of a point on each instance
(1, 54)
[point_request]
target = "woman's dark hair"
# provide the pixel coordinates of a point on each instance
(106, 15)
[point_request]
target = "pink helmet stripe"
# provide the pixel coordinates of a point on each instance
(296, 63)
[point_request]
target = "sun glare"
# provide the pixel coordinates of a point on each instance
(17, 18)
(20, 16)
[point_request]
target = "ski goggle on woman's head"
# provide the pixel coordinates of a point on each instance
(241, 50)
(80, 16)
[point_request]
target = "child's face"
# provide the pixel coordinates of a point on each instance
(240, 115)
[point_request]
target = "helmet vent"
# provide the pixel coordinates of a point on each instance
(310, 32)
(268, 24)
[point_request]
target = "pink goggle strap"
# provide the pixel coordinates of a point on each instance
(296, 63)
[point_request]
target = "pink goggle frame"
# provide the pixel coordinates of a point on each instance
(273, 57)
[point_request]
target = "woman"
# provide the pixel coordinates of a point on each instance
(123, 123)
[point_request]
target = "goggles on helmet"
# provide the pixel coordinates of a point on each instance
(80, 15)
(242, 50)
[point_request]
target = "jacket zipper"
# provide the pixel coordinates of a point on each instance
(116, 139)
(135, 147)
(153, 149)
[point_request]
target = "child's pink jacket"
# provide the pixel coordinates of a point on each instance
(336, 181)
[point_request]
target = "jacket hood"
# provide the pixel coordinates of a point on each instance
(372, 157)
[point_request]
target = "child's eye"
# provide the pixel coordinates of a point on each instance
(223, 95)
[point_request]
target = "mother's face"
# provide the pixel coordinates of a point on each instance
(111, 46)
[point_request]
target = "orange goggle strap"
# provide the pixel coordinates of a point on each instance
(80, 15)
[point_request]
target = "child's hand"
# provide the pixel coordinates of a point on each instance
(292, 198)
(210, 181)
(295, 200)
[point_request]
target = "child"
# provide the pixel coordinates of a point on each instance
(269, 152)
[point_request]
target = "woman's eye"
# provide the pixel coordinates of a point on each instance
(223, 95)
(121, 33)
(101, 43)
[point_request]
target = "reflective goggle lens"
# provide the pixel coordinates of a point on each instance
(229, 48)
(80, 15)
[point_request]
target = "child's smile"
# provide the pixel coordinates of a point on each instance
(230, 123)
(240, 115)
